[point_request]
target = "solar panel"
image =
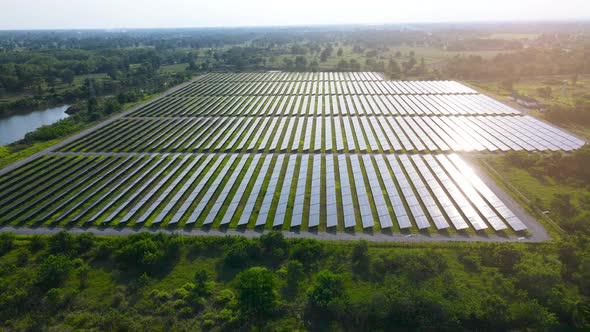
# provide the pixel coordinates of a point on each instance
(254, 193)
(361, 193)
(297, 215)
(270, 191)
(314, 202)
(281, 210)
(237, 197)
(347, 205)
(197, 211)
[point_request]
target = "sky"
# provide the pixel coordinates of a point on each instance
(86, 14)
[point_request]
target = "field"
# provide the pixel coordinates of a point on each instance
(325, 152)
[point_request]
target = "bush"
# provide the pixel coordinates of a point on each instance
(63, 243)
(307, 251)
(54, 270)
(240, 252)
(360, 258)
(327, 290)
(149, 253)
(6, 243)
(295, 275)
(274, 244)
(257, 293)
(37, 243)
(85, 242)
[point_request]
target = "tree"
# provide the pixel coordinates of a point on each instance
(68, 76)
(295, 275)
(327, 290)
(257, 293)
(340, 52)
(6, 243)
(562, 204)
(54, 270)
(62, 243)
(314, 66)
(300, 63)
(360, 258)
(393, 69)
(111, 105)
(342, 65)
(324, 55)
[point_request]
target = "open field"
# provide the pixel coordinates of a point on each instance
(319, 152)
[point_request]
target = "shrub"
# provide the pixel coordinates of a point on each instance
(360, 258)
(240, 252)
(6, 243)
(295, 275)
(307, 251)
(54, 270)
(62, 243)
(327, 290)
(36, 243)
(149, 253)
(257, 293)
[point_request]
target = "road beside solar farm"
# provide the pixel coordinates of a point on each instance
(319, 152)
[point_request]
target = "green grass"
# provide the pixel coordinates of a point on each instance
(175, 68)
(535, 193)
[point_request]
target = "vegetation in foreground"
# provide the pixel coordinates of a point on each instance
(158, 282)
(553, 183)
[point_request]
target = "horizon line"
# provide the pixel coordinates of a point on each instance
(366, 24)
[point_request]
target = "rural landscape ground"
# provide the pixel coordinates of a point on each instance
(312, 179)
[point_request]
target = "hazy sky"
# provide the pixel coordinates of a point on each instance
(52, 14)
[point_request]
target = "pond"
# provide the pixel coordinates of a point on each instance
(14, 127)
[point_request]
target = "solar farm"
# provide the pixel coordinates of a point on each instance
(316, 151)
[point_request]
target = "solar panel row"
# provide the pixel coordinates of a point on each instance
(260, 88)
(324, 191)
(421, 134)
(334, 105)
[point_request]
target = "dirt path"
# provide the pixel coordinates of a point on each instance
(329, 236)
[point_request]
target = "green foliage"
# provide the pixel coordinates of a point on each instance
(445, 288)
(294, 275)
(240, 252)
(360, 258)
(257, 293)
(307, 251)
(54, 270)
(327, 292)
(36, 243)
(63, 243)
(6, 243)
(273, 244)
(149, 253)
(560, 173)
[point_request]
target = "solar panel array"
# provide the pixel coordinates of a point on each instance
(383, 191)
(283, 150)
(328, 134)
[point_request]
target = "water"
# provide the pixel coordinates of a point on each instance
(14, 127)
